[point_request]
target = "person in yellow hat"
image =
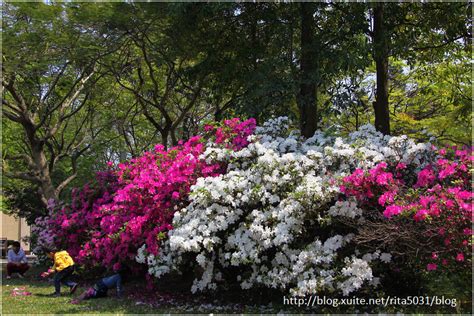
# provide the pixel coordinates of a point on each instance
(63, 268)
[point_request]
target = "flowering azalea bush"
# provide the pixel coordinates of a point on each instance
(264, 207)
(232, 133)
(435, 200)
(273, 217)
(72, 225)
(105, 226)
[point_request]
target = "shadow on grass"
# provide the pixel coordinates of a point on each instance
(44, 295)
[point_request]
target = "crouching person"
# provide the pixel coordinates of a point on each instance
(17, 262)
(63, 269)
(101, 288)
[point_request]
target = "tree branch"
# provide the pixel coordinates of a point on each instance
(445, 43)
(65, 103)
(55, 82)
(22, 176)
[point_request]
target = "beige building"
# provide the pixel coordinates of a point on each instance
(15, 229)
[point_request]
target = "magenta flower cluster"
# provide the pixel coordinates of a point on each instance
(134, 203)
(233, 133)
(438, 197)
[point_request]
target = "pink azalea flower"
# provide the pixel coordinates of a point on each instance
(425, 201)
(392, 210)
(116, 266)
(447, 171)
(449, 203)
(460, 257)
(464, 195)
(386, 198)
(425, 177)
(401, 166)
(431, 266)
(420, 215)
(175, 195)
(384, 178)
(434, 211)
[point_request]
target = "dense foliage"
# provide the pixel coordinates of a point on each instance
(128, 102)
(134, 204)
(270, 209)
(437, 198)
(87, 83)
(274, 218)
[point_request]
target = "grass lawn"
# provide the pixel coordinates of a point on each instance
(170, 296)
(137, 299)
(39, 302)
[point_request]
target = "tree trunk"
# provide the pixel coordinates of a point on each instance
(164, 137)
(253, 35)
(47, 190)
(381, 54)
(174, 140)
(307, 94)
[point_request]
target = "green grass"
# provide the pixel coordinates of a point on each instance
(40, 303)
(137, 299)
(170, 296)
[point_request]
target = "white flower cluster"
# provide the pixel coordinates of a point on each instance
(357, 272)
(269, 216)
(345, 209)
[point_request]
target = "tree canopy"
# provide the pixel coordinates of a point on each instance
(88, 83)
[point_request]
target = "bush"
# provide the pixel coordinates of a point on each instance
(134, 204)
(263, 207)
(274, 216)
(428, 209)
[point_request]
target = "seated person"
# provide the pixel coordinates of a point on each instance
(102, 286)
(17, 262)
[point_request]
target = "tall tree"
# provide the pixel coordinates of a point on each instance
(427, 98)
(414, 31)
(307, 93)
(380, 55)
(47, 96)
(164, 77)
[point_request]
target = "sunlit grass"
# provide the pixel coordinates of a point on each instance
(39, 302)
(169, 297)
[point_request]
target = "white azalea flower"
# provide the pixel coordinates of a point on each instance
(269, 214)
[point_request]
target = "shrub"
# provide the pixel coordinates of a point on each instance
(273, 218)
(106, 223)
(428, 210)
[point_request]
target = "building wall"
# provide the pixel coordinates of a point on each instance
(15, 229)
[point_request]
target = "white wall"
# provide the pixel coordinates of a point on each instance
(15, 229)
